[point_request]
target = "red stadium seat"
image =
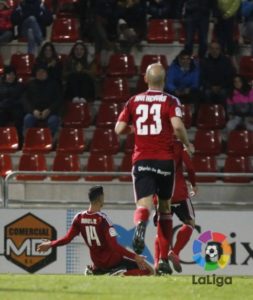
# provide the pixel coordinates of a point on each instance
(160, 31)
(141, 85)
(121, 65)
(108, 114)
(115, 90)
(240, 142)
(1, 65)
(237, 164)
(23, 63)
(68, 163)
(65, 30)
(38, 140)
(129, 145)
(5, 165)
(100, 163)
(32, 162)
(203, 163)
(71, 140)
(187, 115)
(211, 116)
(246, 67)
(105, 141)
(8, 139)
(126, 166)
(77, 115)
(149, 59)
(208, 142)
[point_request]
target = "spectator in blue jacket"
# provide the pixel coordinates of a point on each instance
(32, 17)
(182, 78)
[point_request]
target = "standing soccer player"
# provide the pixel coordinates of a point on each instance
(155, 117)
(100, 236)
(181, 205)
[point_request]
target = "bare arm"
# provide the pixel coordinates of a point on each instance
(123, 128)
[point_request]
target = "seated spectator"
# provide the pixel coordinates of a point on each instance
(42, 101)
(216, 73)
(158, 9)
(79, 82)
(11, 108)
(5, 22)
(182, 78)
(32, 17)
(50, 58)
(240, 105)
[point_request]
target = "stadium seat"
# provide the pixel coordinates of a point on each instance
(38, 140)
(160, 31)
(240, 142)
(187, 115)
(1, 65)
(65, 30)
(115, 90)
(126, 166)
(121, 65)
(77, 115)
(68, 163)
(5, 165)
(237, 164)
(246, 67)
(211, 116)
(8, 139)
(108, 114)
(148, 59)
(105, 141)
(23, 63)
(71, 140)
(100, 163)
(205, 163)
(129, 144)
(208, 142)
(32, 162)
(141, 85)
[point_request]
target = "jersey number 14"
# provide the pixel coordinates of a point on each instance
(145, 112)
(91, 234)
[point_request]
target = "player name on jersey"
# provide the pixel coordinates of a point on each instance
(150, 98)
(88, 221)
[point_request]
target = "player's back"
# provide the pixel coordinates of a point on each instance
(95, 228)
(151, 112)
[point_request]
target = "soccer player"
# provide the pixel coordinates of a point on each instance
(100, 236)
(181, 205)
(154, 117)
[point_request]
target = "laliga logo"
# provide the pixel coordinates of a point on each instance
(216, 250)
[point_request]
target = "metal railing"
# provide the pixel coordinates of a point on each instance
(6, 181)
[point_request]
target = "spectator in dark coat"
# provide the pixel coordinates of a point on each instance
(158, 9)
(216, 73)
(32, 17)
(11, 108)
(49, 57)
(5, 22)
(42, 101)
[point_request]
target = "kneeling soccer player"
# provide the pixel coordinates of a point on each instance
(107, 255)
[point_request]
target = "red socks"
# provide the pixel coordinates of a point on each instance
(141, 214)
(156, 252)
(183, 237)
(137, 272)
(164, 233)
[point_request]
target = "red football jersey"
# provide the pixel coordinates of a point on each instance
(100, 236)
(150, 114)
(182, 159)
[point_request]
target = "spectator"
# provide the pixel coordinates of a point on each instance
(197, 15)
(11, 108)
(226, 18)
(32, 17)
(182, 79)
(5, 22)
(216, 73)
(158, 9)
(50, 58)
(79, 82)
(240, 104)
(42, 101)
(247, 14)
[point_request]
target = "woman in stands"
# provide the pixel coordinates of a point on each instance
(240, 105)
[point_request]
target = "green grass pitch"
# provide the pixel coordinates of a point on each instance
(53, 287)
